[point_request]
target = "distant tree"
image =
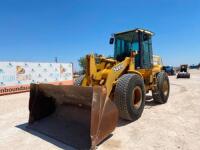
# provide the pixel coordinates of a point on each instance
(82, 63)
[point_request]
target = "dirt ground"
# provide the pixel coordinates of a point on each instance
(175, 125)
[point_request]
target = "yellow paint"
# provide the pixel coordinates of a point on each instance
(108, 71)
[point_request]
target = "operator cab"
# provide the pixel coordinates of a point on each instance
(138, 40)
(183, 68)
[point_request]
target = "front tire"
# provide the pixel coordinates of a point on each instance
(162, 93)
(129, 96)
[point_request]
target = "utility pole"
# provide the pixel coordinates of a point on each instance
(56, 59)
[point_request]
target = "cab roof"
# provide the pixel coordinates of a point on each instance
(136, 30)
(131, 35)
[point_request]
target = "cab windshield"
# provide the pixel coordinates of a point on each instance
(124, 44)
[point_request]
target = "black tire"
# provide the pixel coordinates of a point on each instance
(188, 76)
(129, 96)
(161, 94)
(79, 80)
(178, 75)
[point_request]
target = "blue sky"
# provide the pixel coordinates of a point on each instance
(39, 30)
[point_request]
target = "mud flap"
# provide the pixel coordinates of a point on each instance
(78, 116)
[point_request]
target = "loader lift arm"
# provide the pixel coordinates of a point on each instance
(110, 74)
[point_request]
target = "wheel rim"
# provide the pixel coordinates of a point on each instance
(137, 97)
(165, 88)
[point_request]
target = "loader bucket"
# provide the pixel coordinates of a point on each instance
(78, 116)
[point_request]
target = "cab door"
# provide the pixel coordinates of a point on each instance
(146, 55)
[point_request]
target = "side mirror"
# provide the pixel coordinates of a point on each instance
(111, 40)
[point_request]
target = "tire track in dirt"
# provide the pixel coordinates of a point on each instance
(181, 90)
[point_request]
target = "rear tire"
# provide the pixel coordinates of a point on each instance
(162, 93)
(129, 96)
(79, 80)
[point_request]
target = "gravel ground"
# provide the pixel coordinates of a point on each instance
(175, 125)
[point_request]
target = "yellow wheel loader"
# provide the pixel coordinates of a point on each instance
(84, 114)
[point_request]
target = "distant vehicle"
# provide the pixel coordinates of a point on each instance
(183, 73)
(195, 66)
(169, 70)
(157, 61)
